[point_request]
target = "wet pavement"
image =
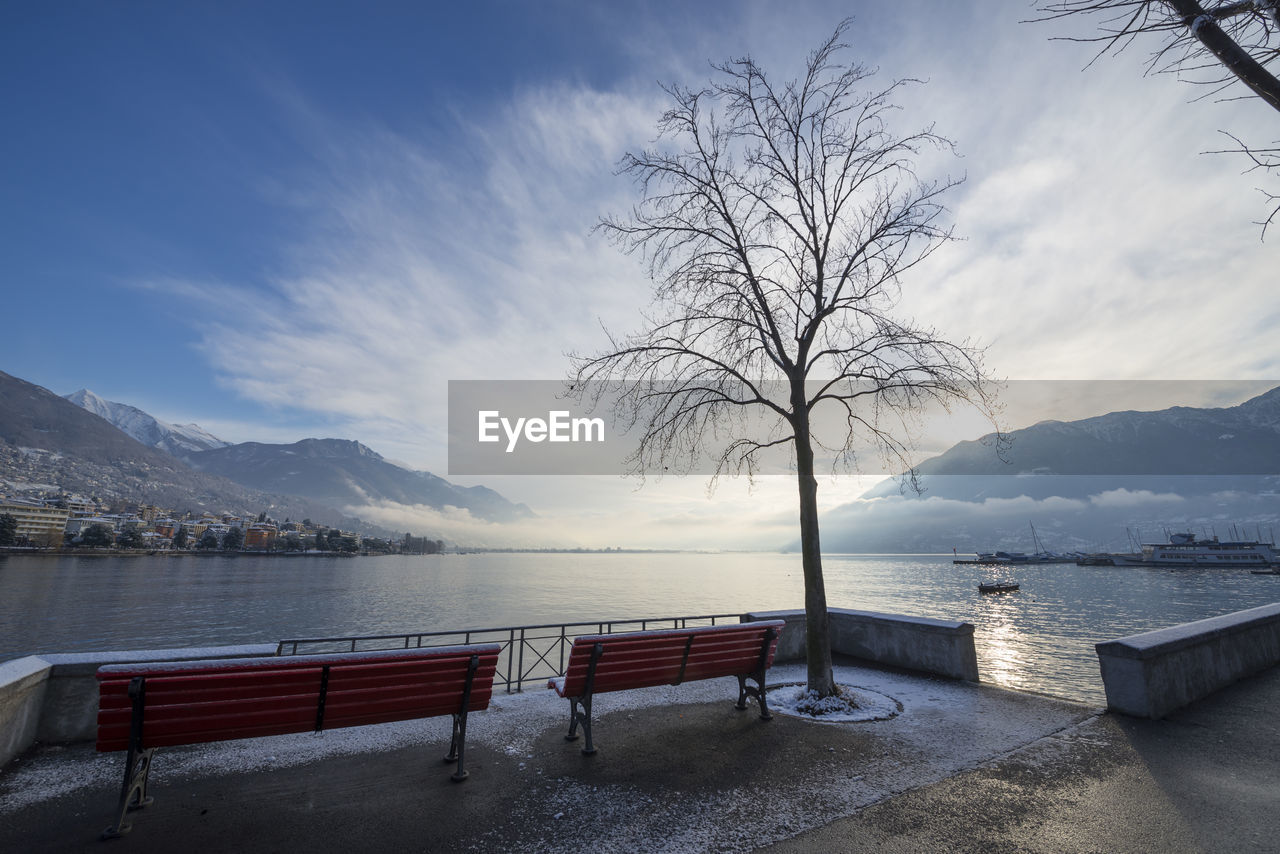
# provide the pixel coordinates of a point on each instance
(959, 767)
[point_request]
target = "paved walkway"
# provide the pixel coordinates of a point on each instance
(961, 767)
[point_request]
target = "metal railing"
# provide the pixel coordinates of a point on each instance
(529, 653)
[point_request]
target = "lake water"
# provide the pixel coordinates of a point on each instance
(1040, 638)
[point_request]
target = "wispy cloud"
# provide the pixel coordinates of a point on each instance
(1099, 242)
(419, 265)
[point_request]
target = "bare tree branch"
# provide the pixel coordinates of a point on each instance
(1210, 45)
(777, 222)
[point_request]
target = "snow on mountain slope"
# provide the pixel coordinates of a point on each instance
(176, 439)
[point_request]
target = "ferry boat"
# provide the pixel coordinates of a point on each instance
(1186, 550)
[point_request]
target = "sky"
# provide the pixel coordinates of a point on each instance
(282, 220)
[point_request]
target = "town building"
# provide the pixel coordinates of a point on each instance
(38, 523)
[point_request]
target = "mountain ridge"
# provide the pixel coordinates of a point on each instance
(175, 439)
(346, 472)
(1083, 484)
(1178, 441)
(49, 442)
(335, 472)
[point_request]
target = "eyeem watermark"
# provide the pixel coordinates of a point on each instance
(558, 426)
(542, 427)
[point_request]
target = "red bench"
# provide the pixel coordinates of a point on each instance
(601, 663)
(145, 706)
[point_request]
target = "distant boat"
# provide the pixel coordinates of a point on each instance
(1186, 550)
(1019, 558)
(998, 587)
(1016, 559)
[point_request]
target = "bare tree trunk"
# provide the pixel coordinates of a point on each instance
(1205, 28)
(817, 636)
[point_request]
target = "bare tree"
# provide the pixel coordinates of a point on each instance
(1212, 45)
(776, 227)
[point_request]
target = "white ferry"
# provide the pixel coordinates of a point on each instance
(1186, 550)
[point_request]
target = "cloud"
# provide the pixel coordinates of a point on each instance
(1098, 242)
(609, 512)
(417, 265)
(1124, 498)
(1103, 521)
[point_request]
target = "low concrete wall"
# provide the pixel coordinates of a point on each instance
(940, 647)
(1151, 674)
(23, 684)
(54, 698)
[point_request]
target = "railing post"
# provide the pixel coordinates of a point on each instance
(520, 668)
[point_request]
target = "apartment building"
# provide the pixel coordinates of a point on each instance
(37, 523)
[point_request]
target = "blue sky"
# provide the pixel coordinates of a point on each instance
(282, 220)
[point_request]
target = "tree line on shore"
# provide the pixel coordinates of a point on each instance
(102, 536)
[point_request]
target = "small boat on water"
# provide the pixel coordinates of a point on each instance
(998, 587)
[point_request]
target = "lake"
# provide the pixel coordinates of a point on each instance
(1040, 638)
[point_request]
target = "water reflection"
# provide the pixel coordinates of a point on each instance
(1040, 638)
(1003, 646)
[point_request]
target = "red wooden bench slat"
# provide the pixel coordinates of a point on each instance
(646, 659)
(202, 701)
(601, 663)
(193, 702)
(163, 690)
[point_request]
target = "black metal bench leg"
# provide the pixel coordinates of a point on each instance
(458, 744)
(572, 734)
(137, 764)
(133, 792)
(762, 698)
(458, 747)
(758, 691)
(583, 716)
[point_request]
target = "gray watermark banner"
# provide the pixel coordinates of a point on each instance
(1060, 427)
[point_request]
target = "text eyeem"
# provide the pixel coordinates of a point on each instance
(556, 427)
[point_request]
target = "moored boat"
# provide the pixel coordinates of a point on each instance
(998, 587)
(1186, 550)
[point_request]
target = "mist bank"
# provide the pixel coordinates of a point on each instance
(1070, 513)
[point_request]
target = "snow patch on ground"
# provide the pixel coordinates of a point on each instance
(938, 728)
(851, 704)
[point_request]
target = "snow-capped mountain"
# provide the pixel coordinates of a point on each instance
(176, 439)
(343, 473)
(335, 472)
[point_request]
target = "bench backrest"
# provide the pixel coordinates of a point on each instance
(669, 657)
(216, 700)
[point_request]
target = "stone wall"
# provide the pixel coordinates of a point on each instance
(1151, 674)
(54, 698)
(940, 647)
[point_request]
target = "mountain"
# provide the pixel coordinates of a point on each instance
(346, 473)
(176, 439)
(1194, 446)
(335, 472)
(1085, 485)
(47, 442)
